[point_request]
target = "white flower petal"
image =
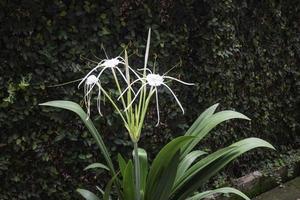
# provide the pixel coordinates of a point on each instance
(178, 102)
(180, 81)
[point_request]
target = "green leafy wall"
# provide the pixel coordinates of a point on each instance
(242, 54)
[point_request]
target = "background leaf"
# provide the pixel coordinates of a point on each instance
(87, 194)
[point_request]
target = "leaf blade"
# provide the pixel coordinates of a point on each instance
(96, 165)
(160, 165)
(88, 195)
(224, 190)
(144, 169)
(128, 182)
(74, 107)
(208, 124)
(201, 171)
(187, 162)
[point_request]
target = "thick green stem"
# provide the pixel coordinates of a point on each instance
(137, 172)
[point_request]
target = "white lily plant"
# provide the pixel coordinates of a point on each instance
(177, 172)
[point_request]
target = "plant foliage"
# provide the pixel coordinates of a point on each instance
(244, 54)
(165, 179)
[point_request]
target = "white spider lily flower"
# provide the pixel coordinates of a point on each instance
(106, 64)
(90, 82)
(155, 81)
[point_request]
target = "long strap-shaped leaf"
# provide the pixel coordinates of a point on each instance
(124, 169)
(88, 195)
(199, 121)
(198, 166)
(207, 124)
(224, 190)
(106, 194)
(187, 162)
(74, 107)
(167, 178)
(128, 182)
(122, 164)
(163, 170)
(204, 169)
(96, 165)
(143, 169)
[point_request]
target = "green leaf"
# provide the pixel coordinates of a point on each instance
(224, 190)
(96, 165)
(204, 169)
(167, 179)
(208, 123)
(143, 169)
(74, 107)
(87, 194)
(106, 195)
(122, 164)
(198, 124)
(128, 182)
(163, 170)
(187, 162)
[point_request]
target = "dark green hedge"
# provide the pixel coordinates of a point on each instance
(243, 54)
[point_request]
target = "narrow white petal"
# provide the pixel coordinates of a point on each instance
(88, 103)
(98, 77)
(133, 71)
(85, 97)
(135, 96)
(180, 81)
(99, 99)
(121, 74)
(121, 58)
(178, 102)
(86, 76)
(157, 107)
(129, 86)
(147, 69)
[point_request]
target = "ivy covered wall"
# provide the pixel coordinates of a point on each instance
(242, 54)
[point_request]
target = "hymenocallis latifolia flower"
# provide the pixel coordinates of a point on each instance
(154, 81)
(132, 113)
(88, 86)
(112, 64)
(90, 80)
(106, 64)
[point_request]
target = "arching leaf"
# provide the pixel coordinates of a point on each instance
(224, 190)
(87, 194)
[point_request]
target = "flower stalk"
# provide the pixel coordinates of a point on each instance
(137, 172)
(133, 101)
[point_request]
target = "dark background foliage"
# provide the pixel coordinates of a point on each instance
(242, 54)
